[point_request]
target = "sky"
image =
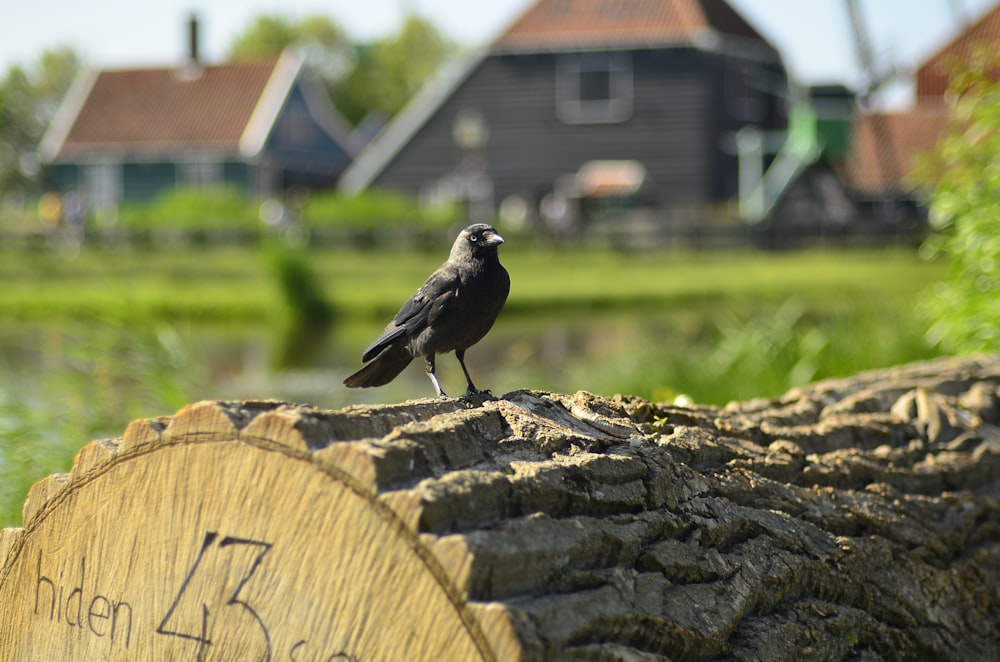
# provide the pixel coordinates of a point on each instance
(813, 35)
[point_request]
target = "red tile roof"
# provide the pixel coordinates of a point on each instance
(155, 111)
(934, 74)
(557, 24)
(886, 147)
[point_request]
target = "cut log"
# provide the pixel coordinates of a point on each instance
(852, 519)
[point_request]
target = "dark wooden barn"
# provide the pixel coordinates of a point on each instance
(620, 98)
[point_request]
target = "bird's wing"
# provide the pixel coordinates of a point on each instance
(430, 301)
(422, 309)
(383, 341)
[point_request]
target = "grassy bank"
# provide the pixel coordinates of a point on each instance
(235, 284)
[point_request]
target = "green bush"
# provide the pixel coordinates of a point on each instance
(300, 286)
(965, 211)
(377, 210)
(193, 210)
(206, 210)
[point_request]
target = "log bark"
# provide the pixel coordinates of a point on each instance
(852, 519)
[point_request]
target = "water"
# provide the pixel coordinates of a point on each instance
(117, 371)
(146, 369)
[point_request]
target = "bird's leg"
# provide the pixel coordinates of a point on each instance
(471, 390)
(429, 369)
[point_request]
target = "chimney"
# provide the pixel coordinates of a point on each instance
(190, 69)
(193, 38)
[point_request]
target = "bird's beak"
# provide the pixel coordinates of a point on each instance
(493, 239)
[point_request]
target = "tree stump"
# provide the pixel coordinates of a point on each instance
(852, 519)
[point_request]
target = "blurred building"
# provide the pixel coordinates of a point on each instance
(258, 126)
(588, 101)
(852, 173)
(886, 147)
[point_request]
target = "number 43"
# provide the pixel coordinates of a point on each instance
(169, 626)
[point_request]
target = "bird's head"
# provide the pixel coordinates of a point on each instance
(476, 240)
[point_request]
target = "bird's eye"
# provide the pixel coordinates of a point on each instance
(473, 238)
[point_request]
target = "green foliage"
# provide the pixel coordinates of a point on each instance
(207, 210)
(965, 208)
(361, 79)
(325, 45)
(299, 285)
(97, 375)
(376, 210)
(267, 35)
(778, 345)
(766, 354)
(390, 71)
(192, 210)
(29, 97)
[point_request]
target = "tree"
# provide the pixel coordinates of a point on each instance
(374, 78)
(965, 208)
(29, 97)
(390, 71)
(325, 45)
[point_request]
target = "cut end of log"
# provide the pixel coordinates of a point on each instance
(854, 517)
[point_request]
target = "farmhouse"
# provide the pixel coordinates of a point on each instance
(262, 127)
(636, 99)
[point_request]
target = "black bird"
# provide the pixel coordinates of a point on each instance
(453, 310)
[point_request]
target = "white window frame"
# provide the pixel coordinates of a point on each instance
(573, 109)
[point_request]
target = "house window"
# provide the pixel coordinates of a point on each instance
(594, 88)
(199, 174)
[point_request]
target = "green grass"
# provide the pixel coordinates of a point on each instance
(236, 284)
(622, 280)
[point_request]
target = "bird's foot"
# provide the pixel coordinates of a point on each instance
(473, 392)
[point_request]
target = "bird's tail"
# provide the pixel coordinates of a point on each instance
(382, 369)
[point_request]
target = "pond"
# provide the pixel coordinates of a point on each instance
(122, 366)
(121, 369)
